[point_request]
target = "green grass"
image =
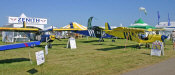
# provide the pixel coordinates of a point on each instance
(90, 58)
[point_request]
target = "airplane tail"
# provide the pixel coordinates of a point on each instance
(107, 27)
(71, 25)
(89, 23)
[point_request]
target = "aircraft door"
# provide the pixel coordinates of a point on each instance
(97, 31)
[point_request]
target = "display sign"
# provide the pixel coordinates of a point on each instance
(27, 20)
(40, 57)
(71, 43)
(157, 48)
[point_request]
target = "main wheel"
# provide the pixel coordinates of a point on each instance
(32, 45)
(113, 40)
(49, 45)
(103, 40)
(138, 46)
(147, 46)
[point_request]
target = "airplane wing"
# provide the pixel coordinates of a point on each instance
(158, 29)
(36, 30)
(68, 29)
(19, 29)
(129, 29)
(122, 32)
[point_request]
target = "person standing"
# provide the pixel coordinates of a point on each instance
(173, 39)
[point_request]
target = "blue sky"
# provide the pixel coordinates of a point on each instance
(61, 12)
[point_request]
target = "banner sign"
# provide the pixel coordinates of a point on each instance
(40, 57)
(71, 43)
(157, 48)
(27, 20)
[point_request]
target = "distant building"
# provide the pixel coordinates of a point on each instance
(168, 29)
(17, 22)
(165, 25)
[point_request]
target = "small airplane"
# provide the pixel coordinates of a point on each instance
(40, 34)
(136, 34)
(95, 31)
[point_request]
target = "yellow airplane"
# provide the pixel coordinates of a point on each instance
(135, 34)
(41, 36)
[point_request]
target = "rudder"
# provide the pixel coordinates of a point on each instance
(107, 27)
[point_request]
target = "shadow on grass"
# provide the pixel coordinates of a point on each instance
(90, 41)
(43, 46)
(117, 47)
(13, 60)
(146, 53)
(57, 44)
(99, 44)
(112, 45)
(32, 71)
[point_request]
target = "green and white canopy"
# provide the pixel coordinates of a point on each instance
(141, 24)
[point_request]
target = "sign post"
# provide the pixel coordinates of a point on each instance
(157, 48)
(46, 50)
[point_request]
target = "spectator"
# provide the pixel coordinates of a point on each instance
(173, 39)
(173, 36)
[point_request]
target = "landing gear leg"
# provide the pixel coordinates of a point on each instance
(101, 40)
(113, 40)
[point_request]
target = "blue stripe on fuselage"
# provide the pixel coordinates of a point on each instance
(86, 32)
(18, 45)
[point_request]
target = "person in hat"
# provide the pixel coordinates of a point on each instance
(173, 36)
(173, 39)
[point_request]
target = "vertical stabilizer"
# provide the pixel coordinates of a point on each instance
(89, 23)
(71, 25)
(107, 27)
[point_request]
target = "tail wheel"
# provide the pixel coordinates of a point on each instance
(138, 46)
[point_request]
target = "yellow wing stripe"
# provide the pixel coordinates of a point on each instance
(18, 29)
(68, 29)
